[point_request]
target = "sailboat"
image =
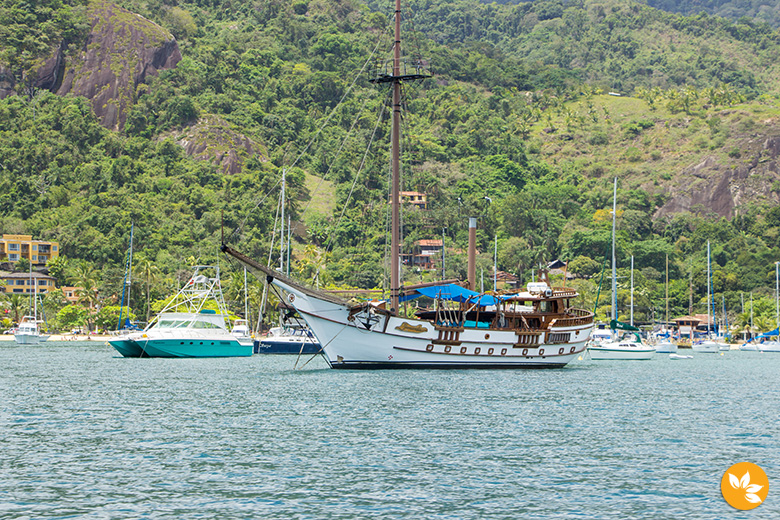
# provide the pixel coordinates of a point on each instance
(772, 345)
(664, 343)
(535, 328)
(28, 332)
(630, 347)
(707, 345)
(188, 326)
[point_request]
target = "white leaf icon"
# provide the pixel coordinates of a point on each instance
(753, 488)
(745, 480)
(753, 499)
(734, 481)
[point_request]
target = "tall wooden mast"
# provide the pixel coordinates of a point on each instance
(395, 241)
(399, 73)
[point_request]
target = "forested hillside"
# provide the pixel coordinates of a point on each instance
(517, 127)
(767, 11)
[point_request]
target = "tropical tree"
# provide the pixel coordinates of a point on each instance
(149, 272)
(22, 265)
(107, 317)
(17, 305)
(72, 316)
(84, 277)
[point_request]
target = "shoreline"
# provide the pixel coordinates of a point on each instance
(66, 337)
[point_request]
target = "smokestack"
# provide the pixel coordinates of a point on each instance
(472, 253)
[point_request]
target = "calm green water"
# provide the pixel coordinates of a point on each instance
(87, 434)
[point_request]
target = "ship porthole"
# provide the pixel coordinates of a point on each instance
(487, 336)
(560, 351)
(490, 352)
(447, 349)
(429, 348)
(525, 351)
(503, 352)
(463, 350)
(477, 350)
(541, 351)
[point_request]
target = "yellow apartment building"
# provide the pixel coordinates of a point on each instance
(38, 252)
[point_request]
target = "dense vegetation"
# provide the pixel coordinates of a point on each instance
(515, 128)
(767, 11)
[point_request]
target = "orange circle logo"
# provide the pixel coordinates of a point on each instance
(744, 486)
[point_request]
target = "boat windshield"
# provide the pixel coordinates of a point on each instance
(205, 325)
(171, 324)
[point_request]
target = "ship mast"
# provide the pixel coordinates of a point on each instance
(400, 73)
(395, 240)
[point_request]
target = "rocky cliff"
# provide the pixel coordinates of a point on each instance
(122, 51)
(721, 187)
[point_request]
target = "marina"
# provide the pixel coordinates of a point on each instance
(90, 434)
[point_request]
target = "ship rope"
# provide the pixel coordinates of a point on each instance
(315, 136)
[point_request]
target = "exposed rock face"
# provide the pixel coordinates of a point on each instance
(712, 187)
(212, 139)
(122, 52)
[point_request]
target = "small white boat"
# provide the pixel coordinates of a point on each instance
(706, 347)
(626, 349)
(241, 331)
(666, 347)
(679, 356)
(769, 346)
(28, 332)
(749, 347)
(288, 340)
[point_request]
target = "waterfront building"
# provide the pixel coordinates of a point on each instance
(25, 283)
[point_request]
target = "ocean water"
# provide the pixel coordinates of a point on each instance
(87, 434)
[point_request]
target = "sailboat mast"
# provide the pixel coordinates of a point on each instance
(632, 291)
(395, 240)
(666, 319)
(281, 233)
(128, 278)
(35, 292)
(777, 294)
(614, 274)
(708, 288)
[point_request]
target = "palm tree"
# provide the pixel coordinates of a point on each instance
(86, 279)
(149, 272)
(17, 305)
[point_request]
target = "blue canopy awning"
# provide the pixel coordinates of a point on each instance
(451, 292)
(763, 335)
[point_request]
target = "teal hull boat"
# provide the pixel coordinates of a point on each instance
(127, 347)
(192, 325)
(196, 348)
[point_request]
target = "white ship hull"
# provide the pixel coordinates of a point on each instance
(372, 340)
(29, 339)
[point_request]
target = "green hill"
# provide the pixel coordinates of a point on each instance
(519, 111)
